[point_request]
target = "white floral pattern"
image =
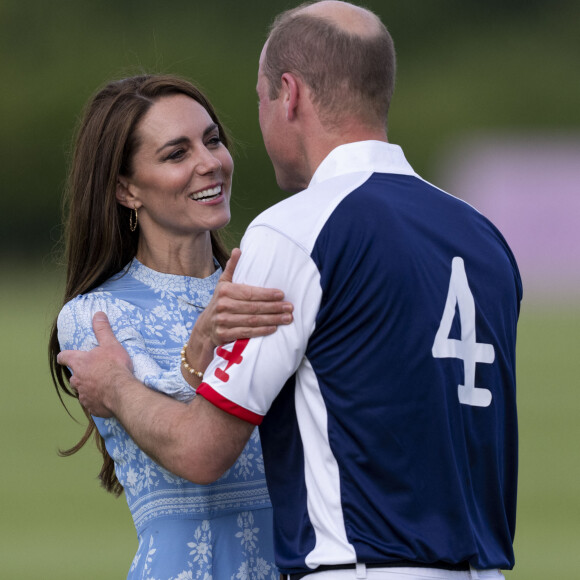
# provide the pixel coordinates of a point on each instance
(221, 531)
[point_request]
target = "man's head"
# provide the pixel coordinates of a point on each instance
(326, 77)
(342, 52)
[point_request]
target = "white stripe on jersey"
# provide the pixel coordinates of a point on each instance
(321, 474)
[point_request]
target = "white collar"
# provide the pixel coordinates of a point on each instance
(362, 156)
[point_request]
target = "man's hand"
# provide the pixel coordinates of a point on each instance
(98, 372)
(196, 441)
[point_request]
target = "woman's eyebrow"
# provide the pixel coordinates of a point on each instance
(183, 139)
(173, 142)
(210, 128)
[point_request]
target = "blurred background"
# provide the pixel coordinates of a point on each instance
(487, 106)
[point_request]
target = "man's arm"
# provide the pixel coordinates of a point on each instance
(196, 441)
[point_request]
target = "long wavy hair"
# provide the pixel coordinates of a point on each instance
(98, 241)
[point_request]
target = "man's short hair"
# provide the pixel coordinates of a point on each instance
(349, 74)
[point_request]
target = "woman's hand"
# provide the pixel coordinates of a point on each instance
(235, 311)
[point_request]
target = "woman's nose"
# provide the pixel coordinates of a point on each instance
(208, 163)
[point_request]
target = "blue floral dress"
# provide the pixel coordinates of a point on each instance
(221, 531)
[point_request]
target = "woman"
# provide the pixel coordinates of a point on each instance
(149, 186)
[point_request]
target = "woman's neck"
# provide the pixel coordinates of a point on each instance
(191, 256)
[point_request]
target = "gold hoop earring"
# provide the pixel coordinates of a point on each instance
(133, 223)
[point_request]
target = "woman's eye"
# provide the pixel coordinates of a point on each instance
(176, 155)
(214, 141)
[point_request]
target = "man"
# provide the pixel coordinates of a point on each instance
(387, 409)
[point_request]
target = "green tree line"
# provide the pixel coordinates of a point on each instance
(463, 67)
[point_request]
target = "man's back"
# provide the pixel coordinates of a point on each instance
(396, 438)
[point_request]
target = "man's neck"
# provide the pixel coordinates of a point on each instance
(321, 147)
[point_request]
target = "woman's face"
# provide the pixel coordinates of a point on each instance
(182, 172)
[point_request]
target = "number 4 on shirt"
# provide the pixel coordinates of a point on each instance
(467, 348)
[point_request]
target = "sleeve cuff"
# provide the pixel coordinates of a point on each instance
(228, 406)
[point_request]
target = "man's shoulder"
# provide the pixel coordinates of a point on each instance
(301, 216)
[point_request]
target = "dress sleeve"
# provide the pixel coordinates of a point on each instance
(75, 332)
(245, 377)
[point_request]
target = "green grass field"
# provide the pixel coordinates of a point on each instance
(56, 523)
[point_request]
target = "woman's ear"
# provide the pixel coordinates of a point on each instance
(124, 194)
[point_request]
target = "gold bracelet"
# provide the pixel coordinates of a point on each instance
(187, 366)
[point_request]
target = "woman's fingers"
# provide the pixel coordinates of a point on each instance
(233, 306)
(229, 327)
(251, 319)
(228, 273)
(243, 311)
(248, 293)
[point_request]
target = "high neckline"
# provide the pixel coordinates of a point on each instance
(171, 282)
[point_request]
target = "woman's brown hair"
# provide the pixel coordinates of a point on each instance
(98, 241)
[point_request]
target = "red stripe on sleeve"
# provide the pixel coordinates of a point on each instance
(228, 406)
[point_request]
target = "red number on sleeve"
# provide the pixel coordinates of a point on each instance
(234, 358)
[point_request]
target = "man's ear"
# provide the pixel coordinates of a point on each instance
(290, 93)
(124, 194)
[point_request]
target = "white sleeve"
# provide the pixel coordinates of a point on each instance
(245, 377)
